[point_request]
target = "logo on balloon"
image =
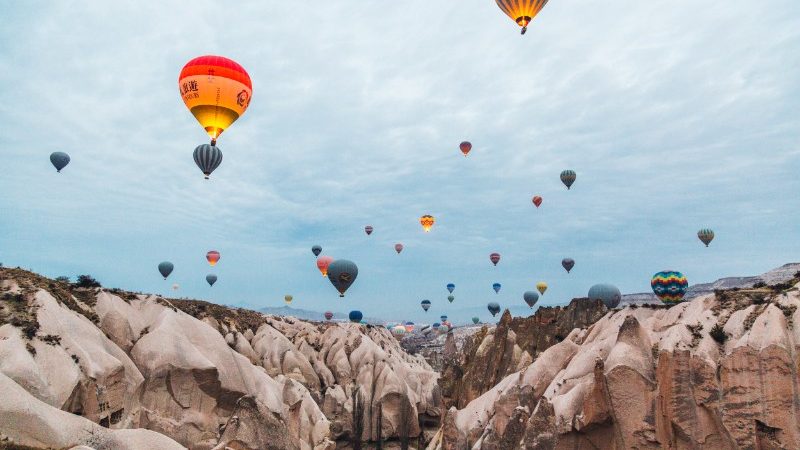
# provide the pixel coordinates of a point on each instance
(242, 99)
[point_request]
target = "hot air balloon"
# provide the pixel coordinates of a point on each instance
(213, 257)
(288, 299)
(607, 293)
(451, 287)
(669, 286)
(450, 298)
(706, 236)
(409, 327)
(494, 258)
(399, 330)
(541, 287)
(398, 248)
(537, 200)
(211, 279)
(426, 305)
(323, 262)
(530, 298)
(568, 264)
(165, 268)
(316, 250)
(355, 316)
(208, 158)
(368, 229)
(475, 320)
(436, 325)
(493, 308)
(342, 274)
(216, 90)
(465, 147)
(444, 328)
(496, 288)
(443, 318)
(328, 315)
(427, 222)
(521, 11)
(176, 286)
(568, 177)
(59, 160)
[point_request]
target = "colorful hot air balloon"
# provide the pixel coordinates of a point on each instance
(493, 308)
(436, 326)
(537, 200)
(426, 305)
(342, 274)
(541, 287)
(443, 318)
(409, 327)
(323, 262)
(444, 328)
(568, 264)
(398, 331)
(607, 293)
(316, 250)
(165, 268)
(213, 257)
(427, 222)
(450, 298)
(368, 229)
(496, 288)
(398, 248)
(475, 320)
(208, 158)
(521, 11)
(494, 258)
(530, 298)
(59, 160)
(355, 316)
(211, 279)
(216, 90)
(706, 236)
(669, 285)
(568, 177)
(465, 147)
(328, 315)
(288, 299)
(451, 287)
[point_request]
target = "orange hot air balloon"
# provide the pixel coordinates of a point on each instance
(427, 222)
(465, 147)
(213, 257)
(521, 11)
(537, 201)
(217, 91)
(322, 264)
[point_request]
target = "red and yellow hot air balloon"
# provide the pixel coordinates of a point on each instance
(521, 11)
(322, 264)
(537, 200)
(427, 222)
(217, 91)
(213, 257)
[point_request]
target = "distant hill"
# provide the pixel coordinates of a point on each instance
(305, 314)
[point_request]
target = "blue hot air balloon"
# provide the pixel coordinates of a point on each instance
(166, 268)
(496, 287)
(607, 293)
(530, 298)
(451, 287)
(316, 250)
(211, 279)
(443, 318)
(426, 304)
(342, 274)
(493, 308)
(356, 316)
(59, 160)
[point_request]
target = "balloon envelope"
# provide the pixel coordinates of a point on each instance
(213, 257)
(496, 287)
(493, 308)
(427, 222)
(59, 160)
(426, 304)
(342, 274)
(211, 279)
(465, 147)
(165, 268)
(669, 285)
(288, 299)
(443, 318)
(706, 235)
(208, 158)
(450, 298)
(530, 298)
(328, 315)
(521, 11)
(355, 316)
(568, 264)
(537, 201)
(368, 229)
(568, 177)
(323, 262)
(409, 327)
(475, 320)
(451, 287)
(216, 90)
(607, 293)
(398, 248)
(494, 258)
(316, 250)
(541, 287)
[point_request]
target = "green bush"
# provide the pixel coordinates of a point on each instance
(718, 334)
(87, 281)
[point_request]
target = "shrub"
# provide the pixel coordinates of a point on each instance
(87, 281)
(63, 279)
(718, 334)
(759, 285)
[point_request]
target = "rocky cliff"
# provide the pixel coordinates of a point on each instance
(717, 372)
(97, 363)
(490, 354)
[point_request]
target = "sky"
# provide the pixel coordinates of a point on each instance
(676, 115)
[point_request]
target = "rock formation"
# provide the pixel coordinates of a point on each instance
(717, 372)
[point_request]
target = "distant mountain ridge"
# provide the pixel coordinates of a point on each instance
(304, 314)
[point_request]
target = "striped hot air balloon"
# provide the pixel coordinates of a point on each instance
(669, 285)
(328, 315)
(706, 235)
(568, 177)
(521, 11)
(217, 91)
(494, 258)
(427, 222)
(208, 158)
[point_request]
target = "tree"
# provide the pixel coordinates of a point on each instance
(63, 280)
(87, 281)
